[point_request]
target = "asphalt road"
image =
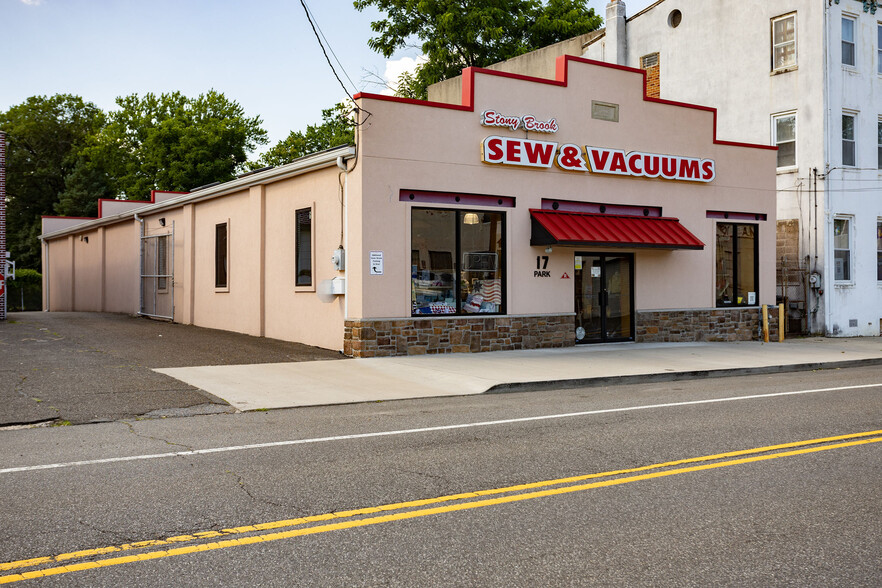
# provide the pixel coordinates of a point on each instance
(72, 368)
(612, 486)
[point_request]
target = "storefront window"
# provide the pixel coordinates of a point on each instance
(737, 269)
(456, 262)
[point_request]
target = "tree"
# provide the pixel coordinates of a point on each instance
(456, 34)
(172, 142)
(337, 128)
(46, 136)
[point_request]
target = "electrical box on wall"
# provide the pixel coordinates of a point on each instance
(339, 259)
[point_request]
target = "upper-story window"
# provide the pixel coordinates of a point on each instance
(848, 33)
(879, 146)
(784, 42)
(879, 49)
(784, 136)
(849, 156)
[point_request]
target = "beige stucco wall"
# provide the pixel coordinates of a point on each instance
(121, 267)
(60, 272)
(410, 146)
(298, 313)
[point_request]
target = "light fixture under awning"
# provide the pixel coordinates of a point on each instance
(550, 227)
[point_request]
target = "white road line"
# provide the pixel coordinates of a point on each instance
(421, 430)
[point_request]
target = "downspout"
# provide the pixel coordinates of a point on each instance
(46, 274)
(344, 233)
(827, 130)
(140, 261)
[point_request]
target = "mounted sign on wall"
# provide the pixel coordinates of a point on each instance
(596, 160)
(491, 118)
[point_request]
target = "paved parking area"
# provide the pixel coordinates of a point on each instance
(75, 368)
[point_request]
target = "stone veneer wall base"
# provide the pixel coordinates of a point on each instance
(704, 324)
(456, 334)
(461, 334)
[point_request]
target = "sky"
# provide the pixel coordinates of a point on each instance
(260, 53)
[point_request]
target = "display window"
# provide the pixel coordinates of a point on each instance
(457, 262)
(737, 267)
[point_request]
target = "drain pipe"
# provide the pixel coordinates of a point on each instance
(140, 263)
(344, 234)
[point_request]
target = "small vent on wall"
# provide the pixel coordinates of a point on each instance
(852, 323)
(648, 61)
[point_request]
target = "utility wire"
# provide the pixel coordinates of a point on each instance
(331, 49)
(325, 53)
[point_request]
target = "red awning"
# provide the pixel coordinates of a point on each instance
(551, 227)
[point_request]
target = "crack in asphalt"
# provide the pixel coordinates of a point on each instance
(240, 481)
(143, 436)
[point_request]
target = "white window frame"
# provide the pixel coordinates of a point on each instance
(850, 225)
(879, 145)
(879, 250)
(853, 140)
(312, 277)
(879, 48)
(775, 119)
(776, 45)
(852, 42)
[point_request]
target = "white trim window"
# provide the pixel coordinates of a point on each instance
(784, 42)
(879, 249)
(848, 40)
(879, 49)
(849, 144)
(842, 249)
(879, 144)
(784, 137)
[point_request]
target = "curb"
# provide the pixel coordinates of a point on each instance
(541, 386)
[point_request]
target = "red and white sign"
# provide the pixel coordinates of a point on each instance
(513, 151)
(528, 122)
(650, 165)
(596, 160)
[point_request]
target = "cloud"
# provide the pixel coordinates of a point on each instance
(396, 67)
(32, 2)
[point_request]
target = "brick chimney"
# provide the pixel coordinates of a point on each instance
(616, 33)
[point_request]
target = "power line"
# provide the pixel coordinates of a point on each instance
(325, 53)
(331, 49)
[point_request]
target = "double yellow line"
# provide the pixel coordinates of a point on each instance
(413, 509)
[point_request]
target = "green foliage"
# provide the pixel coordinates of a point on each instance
(456, 34)
(28, 277)
(45, 136)
(172, 142)
(337, 128)
(25, 292)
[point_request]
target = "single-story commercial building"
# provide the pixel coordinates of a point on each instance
(533, 213)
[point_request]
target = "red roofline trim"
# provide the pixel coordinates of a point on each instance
(561, 80)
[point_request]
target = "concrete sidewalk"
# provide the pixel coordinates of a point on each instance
(284, 385)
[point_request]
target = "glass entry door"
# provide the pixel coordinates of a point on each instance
(604, 297)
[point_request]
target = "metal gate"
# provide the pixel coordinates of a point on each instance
(157, 275)
(792, 292)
